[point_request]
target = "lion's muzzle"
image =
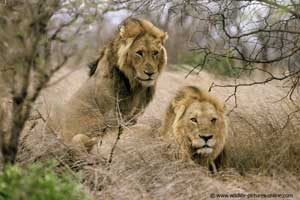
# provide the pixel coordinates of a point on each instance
(147, 82)
(148, 77)
(204, 145)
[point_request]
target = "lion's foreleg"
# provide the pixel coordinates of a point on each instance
(84, 141)
(213, 167)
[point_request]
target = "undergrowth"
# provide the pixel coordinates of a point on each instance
(39, 182)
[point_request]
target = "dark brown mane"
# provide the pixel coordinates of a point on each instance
(93, 66)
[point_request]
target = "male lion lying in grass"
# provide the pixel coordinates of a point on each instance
(122, 83)
(196, 122)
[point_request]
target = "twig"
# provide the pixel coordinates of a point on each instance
(120, 131)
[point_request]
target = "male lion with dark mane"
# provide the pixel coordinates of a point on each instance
(122, 83)
(196, 122)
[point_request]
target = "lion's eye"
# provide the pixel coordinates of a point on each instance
(140, 53)
(155, 53)
(213, 120)
(193, 119)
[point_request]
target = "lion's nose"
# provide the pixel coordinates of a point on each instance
(205, 137)
(149, 69)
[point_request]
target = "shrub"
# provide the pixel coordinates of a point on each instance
(39, 182)
(217, 65)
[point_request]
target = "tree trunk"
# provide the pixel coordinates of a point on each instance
(10, 145)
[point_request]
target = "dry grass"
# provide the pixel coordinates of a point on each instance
(264, 150)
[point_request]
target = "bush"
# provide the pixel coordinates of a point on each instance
(217, 65)
(39, 182)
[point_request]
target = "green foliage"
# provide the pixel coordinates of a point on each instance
(39, 182)
(217, 65)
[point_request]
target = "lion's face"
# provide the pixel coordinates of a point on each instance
(203, 127)
(146, 55)
(141, 55)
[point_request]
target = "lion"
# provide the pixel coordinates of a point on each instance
(195, 121)
(122, 83)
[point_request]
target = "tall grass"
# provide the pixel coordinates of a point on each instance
(267, 146)
(264, 151)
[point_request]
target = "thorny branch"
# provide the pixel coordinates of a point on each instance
(292, 76)
(122, 123)
(257, 35)
(120, 131)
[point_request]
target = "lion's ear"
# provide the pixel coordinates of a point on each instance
(130, 28)
(179, 111)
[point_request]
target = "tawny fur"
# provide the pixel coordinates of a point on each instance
(192, 115)
(120, 86)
